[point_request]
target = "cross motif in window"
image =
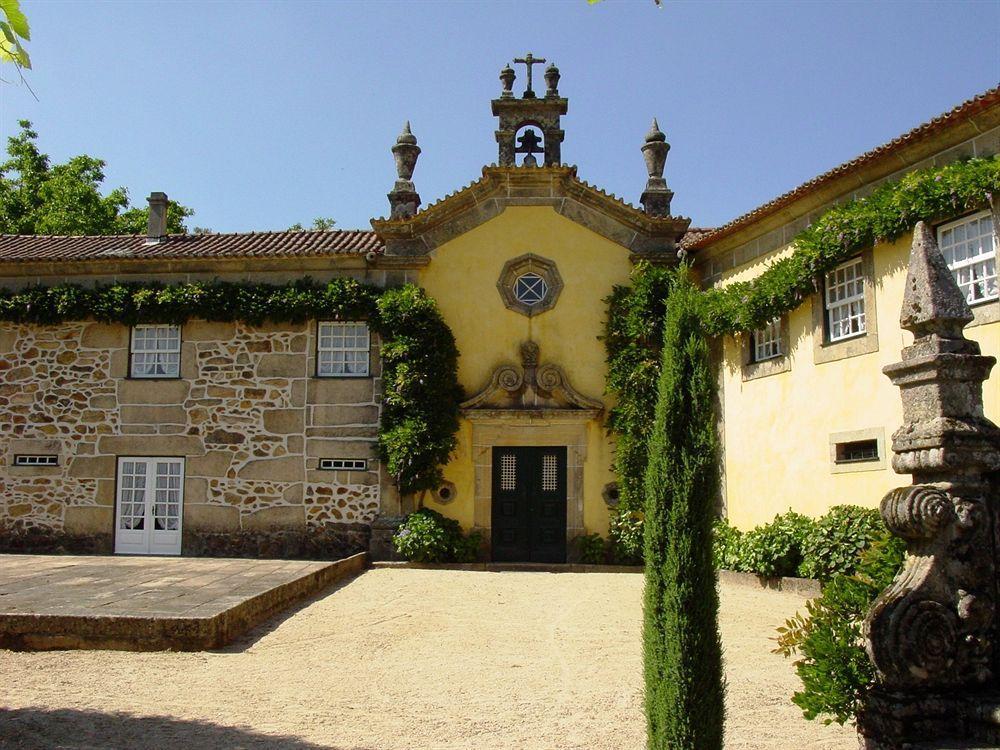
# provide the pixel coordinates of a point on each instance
(530, 289)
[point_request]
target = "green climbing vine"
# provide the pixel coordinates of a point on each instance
(421, 393)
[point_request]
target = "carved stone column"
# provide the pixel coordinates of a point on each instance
(932, 634)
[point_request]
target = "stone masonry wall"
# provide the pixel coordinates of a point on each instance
(247, 414)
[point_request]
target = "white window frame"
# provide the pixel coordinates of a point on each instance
(976, 276)
(41, 459)
(343, 464)
(338, 349)
(537, 287)
(155, 352)
(145, 498)
(845, 295)
(767, 342)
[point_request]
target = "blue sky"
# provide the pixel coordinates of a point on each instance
(261, 114)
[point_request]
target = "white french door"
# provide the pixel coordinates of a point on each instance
(150, 504)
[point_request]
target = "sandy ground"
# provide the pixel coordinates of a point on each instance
(412, 660)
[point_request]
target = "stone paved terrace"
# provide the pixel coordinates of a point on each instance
(149, 603)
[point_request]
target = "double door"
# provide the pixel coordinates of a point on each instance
(149, 506)
(529, 504)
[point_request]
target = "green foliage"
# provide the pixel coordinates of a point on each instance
(834, 669)
(837, 540)
(727, 545)
(427, 536)
(39, 198)
(775, 549)
(419, 357)
(591, 549)
(633, 338)
(625, 536)
(320, 223)
(885, 215)
(14, 31)
(682, 650)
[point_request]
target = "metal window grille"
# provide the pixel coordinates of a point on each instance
(343, 349)
(767, 341)
(47, 460)
(156, 351)
(856, 451)
(343, 464)
(969, 247)
(550, 475)
(530, 289)
(845, 300)
(508, 471)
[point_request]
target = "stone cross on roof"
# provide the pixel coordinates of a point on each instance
(528, 60)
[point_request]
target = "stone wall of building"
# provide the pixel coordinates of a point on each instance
(247, 414)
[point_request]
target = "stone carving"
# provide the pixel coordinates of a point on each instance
(528, 60)
(531, 387)
(543, 113)
(656, 197)
(404, 200)
(932, 634)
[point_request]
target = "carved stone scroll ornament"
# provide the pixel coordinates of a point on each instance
(932, 634)
(531, 387)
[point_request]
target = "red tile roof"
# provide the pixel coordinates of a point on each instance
(27, 248)
(966, 109)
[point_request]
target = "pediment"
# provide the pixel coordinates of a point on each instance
(559, 187)
(530, 389)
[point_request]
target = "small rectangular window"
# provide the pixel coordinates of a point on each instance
(969, 247)
(342, 349)
(343, 464)
(156, 351)
(767, 341)
(857, 451)
(845, 301)
(47, 460)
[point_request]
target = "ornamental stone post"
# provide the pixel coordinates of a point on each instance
(404, 200)
(932, 634)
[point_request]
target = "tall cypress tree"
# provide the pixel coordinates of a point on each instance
(682, 650)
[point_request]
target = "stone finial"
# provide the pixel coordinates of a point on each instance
(403, 200)
(552, 80)
(507, 77)
(656, 198)
(932, 302)
(932, 635)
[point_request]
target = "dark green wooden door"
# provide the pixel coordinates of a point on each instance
(529, 504)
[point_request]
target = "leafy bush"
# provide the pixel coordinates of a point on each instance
(834, 669)
(625, 536)
(776, 549)
(837, 539)
(429, 537)
(591, 549)
(727, 545)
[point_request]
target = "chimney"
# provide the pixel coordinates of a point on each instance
(157, 227)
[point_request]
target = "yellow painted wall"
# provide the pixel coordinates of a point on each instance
(777, 428)
(462, 277)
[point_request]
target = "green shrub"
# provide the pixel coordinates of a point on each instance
(776, 549)
(427, 536)
(837, 539)
(625, 536)
(591, 549)
(834, 669)
(681, 646)
(727, 543)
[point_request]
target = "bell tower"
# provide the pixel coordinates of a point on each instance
(530, 111)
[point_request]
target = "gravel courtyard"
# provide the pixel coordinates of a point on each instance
(411, 660)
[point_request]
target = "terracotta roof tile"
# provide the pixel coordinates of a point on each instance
(28, 248)
(694, 234)
(964, 110)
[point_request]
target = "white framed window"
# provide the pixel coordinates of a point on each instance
(342, 349)
(40, 460)
(150, 505)
(767, 341)
(156, 351)
(969, 247)
(343, 464)
(844, 300)
(530, 289)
